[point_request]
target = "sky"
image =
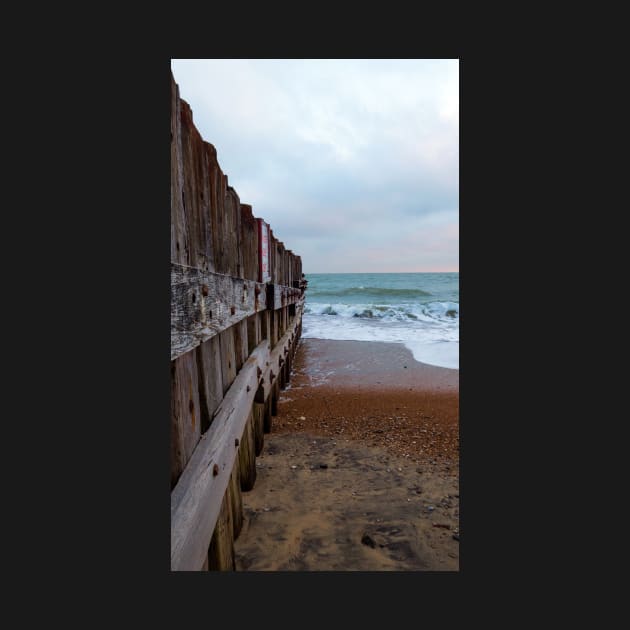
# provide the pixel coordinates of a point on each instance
(353, 162)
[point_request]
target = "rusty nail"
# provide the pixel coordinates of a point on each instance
(204, 289)
(215, 470)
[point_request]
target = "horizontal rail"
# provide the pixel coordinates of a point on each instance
(204, 303)
(197, 496)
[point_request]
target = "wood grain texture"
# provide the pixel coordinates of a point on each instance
(236, 499)
(228, 358)
(210, 377)
(259, 426)
(221, 548)
(247, 455)
(206, 303)
(179, 228)
(196, 499)
(185, 413)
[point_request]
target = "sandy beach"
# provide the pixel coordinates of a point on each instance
(361, 469)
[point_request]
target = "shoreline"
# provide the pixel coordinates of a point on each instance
(361, 468)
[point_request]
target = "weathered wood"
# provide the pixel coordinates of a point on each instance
(185, 413)
(236, 499)
(265, 324)
(232, 208)
(196, 194)
(275, 395)
(267, 417)
(179, 229)
(221, 548)
(249, 241)
(259, 425)
(240, 343)
(196, 499)
(247, 455)
(281, 349)
(228, 358)
(254, 336)
(210, 379)
(205, 303)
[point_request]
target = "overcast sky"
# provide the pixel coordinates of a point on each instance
(354, 163)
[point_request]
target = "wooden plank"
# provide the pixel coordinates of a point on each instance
(196, 194)
(265, 324)
(197, 498)
(221, 548)
(247, 455)
(236, 499)
(254, 335)
(228, 358)
(210, 379)
(179, 229)
(280, 350)
(249, 242)
(267, 417)
(259, 423)
(185, 413)
(240, 343)
(205, 303)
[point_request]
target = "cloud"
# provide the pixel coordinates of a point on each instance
(354, 163)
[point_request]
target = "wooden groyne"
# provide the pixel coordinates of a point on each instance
(237, 297)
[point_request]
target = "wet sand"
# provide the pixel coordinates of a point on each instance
(360, 471)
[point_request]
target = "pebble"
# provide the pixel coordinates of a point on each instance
(302, 418)
(294, 467)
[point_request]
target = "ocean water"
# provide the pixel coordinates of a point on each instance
(419, 310)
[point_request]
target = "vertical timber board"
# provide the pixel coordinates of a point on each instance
(253, 332)
(221, 551)
(265, 325)
(233, 212)
(259, 427)
(210, 379)
(217, 194)
(247, 455)
(179, 238)
(249, 239)
(240, 343)
(185, 412)
(267, 417)
(236, 499)
(228, 358)
(196, 194)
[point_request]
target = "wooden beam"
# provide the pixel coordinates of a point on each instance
(197, 498)
(204, 303)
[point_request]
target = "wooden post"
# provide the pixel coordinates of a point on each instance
(267, 415)
(185, 412)
(259, 423)
(247, 456)
(210, 379)
(240, 343)
(236, 500)
(228, 358)
(221, 551)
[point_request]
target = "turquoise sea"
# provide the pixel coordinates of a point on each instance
(419, 310)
